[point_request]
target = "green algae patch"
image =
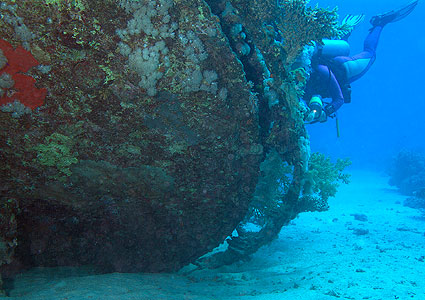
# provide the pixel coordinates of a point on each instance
(57, 152)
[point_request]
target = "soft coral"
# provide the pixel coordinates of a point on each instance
(19, 62)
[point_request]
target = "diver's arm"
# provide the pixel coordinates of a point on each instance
(327, 77)
(336, 95)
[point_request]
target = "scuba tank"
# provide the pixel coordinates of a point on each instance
(332, 48)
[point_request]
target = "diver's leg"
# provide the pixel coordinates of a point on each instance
(357, 65)
(372, 39)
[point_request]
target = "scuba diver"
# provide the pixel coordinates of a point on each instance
(333, 70)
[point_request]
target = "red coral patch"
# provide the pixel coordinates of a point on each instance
(20, 61)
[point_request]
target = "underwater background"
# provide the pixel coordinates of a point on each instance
(388, 103)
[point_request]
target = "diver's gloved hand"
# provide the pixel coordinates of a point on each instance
(329, 110)
(309, 116)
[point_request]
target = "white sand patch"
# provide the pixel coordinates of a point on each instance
(328, 255)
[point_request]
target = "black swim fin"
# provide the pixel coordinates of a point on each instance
(394, 15)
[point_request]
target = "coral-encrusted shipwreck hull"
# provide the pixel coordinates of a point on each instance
(106, 174)
(144, 154)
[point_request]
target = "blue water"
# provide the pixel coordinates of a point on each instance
(388, 103)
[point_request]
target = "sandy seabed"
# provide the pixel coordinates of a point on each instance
(367, 246)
